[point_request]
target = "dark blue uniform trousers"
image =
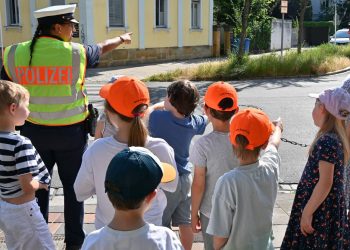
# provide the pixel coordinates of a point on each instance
(63, 146)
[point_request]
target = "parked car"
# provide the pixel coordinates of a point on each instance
(341, 37)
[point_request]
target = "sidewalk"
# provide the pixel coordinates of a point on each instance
(56, 220)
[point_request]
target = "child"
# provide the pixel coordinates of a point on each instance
(22, 172)
(212, 154)
(131, 184)
(346, 86)
(127, 100)
(104, 128)
(318, 218)
(177, 125)
(243, 199)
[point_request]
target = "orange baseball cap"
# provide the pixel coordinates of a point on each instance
(252, 123)
(125, 94)
(218, 91)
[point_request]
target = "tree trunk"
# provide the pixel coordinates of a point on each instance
(301, 24)
(245, 15)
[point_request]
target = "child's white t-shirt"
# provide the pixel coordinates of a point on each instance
(243, 201)
(148, 237)
(91, 177)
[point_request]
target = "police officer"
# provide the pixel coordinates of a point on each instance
(52, 68)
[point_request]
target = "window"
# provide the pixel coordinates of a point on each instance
(116, 13)
(12, 12)
(58, 2)
(161, 13)
(195, 14)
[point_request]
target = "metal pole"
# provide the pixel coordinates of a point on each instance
(2, 40)
(335, 22)
(282, 35)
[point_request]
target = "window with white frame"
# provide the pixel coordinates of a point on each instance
(58, 2)
(12, 12)
(161, 13)
(195, 14)
(116, 13)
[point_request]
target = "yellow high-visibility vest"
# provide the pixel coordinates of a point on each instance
(55, 79)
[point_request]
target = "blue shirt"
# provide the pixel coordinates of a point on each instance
(178, 133)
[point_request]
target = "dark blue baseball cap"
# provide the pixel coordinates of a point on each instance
(135, 172)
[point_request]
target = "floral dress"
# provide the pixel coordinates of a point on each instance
(330, 219)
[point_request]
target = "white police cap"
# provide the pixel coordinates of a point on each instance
(57, 13)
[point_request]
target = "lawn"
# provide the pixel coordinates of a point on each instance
(312, 62)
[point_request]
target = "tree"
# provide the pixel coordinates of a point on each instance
(293, 10)
(343, 12)
(303, 6)
(245, 17)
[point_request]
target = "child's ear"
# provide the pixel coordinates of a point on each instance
(151, 196)
(12, 108)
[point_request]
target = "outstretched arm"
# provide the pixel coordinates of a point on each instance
(112, 43)
(275, 138)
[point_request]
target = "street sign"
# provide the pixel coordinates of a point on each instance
(284, 7)
(284, 3)
(284, 10)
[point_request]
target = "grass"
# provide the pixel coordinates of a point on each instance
(316, 61)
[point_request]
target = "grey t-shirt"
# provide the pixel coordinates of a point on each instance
(243, 202)
(213, 152)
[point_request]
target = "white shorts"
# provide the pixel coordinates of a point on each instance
(24, 226)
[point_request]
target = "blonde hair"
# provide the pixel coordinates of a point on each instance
(138, 131)
(11, 92)
(332, 124)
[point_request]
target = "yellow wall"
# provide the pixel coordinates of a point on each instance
(156, 38)
(195, 37)
(16, 34)
(101, 32)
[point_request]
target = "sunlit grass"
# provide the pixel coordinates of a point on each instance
(316, 61)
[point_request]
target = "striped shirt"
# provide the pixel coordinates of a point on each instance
(18, 157)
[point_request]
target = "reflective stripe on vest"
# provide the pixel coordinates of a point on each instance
(65, 109)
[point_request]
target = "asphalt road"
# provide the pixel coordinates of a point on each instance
(285, 98)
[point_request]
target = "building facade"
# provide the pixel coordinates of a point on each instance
(163, 30)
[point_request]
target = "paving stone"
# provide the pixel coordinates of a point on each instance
(60, 191)
(278, 233)
(56, 209)
(280, 217)
(89, 208)
(285, 187)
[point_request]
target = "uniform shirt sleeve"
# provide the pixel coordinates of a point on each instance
(198, 155)
(93, 53)
(201, 123)
(221, 216)
(84, 186)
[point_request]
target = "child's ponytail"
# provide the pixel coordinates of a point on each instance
(138, 130)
